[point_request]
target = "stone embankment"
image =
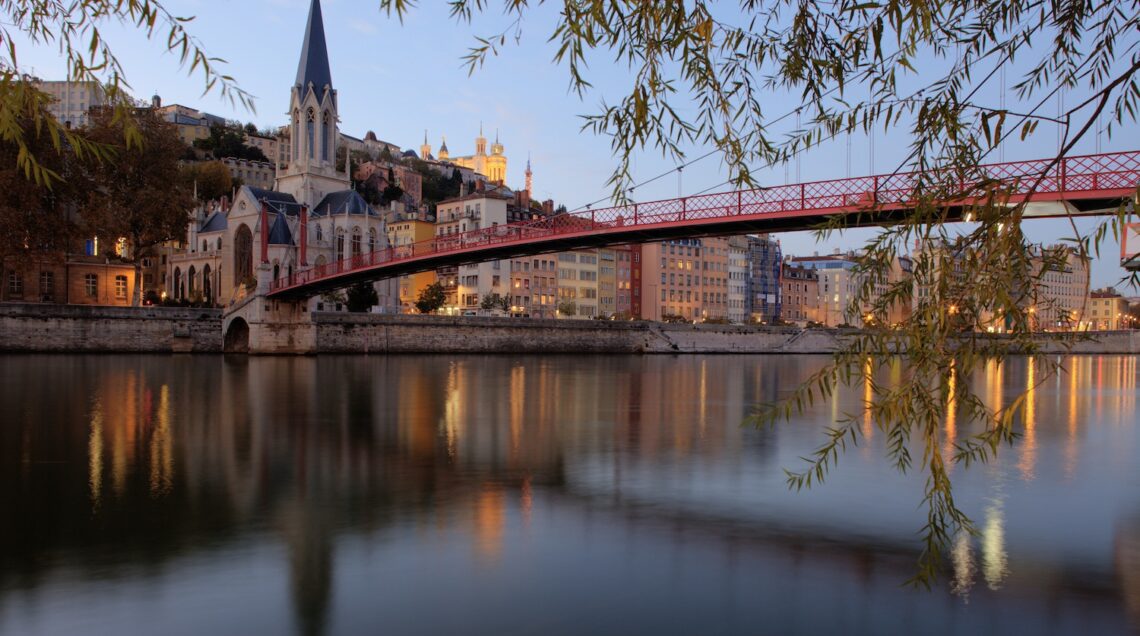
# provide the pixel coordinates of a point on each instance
(56, 328)
(85, 329)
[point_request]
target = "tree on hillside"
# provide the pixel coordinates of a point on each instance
(229, 141)
(211, 179)
(700, 78)
(142, 196)
(431, 298)
(76, 29)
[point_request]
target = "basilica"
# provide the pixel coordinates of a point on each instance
(227, 241)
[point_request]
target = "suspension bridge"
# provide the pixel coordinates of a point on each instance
(1073, 186)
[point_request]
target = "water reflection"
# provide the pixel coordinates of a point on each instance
(538, 488)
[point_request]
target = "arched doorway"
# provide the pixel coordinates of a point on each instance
(191, 283)
(243, 255)
(236, 339)
(177, 283)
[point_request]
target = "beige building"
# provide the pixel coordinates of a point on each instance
(72, 101)
(738, 268)
(685, 278)
(260, 174)
(404, 232)
(1059, 302)
(534, 286)
(493, 165)
(578, 284)
(1108, 311)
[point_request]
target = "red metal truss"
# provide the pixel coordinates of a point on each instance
(1086, 183)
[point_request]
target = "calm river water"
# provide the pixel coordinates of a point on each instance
(536, 495)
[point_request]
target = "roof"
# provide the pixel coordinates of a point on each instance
(216, 223)
(343, 202)
(279, 233)
(314, 65)
(278, 201)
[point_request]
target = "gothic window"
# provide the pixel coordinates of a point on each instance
(325, 137)
(207, 285)
(340, 244)
(177, 283)
(190, 281)
(372, 240)
(320, 237)
(309, 132)
(243, 255)
(355, 242)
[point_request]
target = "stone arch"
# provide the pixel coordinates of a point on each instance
(236, 339)
(320, 263)
(243, 254)
(177, 283)
(190, 282)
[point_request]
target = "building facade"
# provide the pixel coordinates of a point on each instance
(765, 262)
(801, 300)
(72, 101)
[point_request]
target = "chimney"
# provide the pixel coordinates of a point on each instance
(479, 185)
(548, 207)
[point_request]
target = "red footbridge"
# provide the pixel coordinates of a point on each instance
(1082, 185)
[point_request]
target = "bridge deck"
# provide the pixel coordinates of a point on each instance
(1094, 184)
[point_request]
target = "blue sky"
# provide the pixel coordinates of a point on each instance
(400, 79)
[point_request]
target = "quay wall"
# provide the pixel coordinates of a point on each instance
(89, 329)
(63, 328)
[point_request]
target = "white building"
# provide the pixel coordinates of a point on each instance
(73, 100)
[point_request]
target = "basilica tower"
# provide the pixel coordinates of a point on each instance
(313, 133)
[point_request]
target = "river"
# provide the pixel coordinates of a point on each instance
(539, 494)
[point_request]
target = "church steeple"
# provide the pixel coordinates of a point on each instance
(314, 65)
(313, 135)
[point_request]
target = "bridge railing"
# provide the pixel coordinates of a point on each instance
(1111, 171)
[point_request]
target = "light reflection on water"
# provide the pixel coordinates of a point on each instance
(555, 494)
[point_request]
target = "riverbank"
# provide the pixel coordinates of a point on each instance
(74, 329)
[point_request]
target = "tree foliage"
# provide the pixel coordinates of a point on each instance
(431, 298)
(229, 141)
(76, 30)
(210, 179)
(701, 77)
(361, 296)
(141, 195)
(495, 301)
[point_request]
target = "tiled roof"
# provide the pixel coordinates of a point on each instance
(343, 202)
(279, 233)
(278, 201)
(216, 223)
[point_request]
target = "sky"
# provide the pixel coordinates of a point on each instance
(400, 79)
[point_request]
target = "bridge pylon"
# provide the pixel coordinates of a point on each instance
(258, 324)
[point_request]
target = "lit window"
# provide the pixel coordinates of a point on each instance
(91, 285)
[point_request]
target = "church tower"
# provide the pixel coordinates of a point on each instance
(443, 155)
(529, 176)
(425, 149)
(480, 144)
(313, 120)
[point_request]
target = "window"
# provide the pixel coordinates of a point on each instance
(120, 287)
(309, 132)
(325, 139)
(47, 285)
(15, 283)
(91, 285)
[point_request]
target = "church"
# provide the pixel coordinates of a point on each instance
(225, 244)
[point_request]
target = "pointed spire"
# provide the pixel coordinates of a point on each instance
(314, 65)
(480, 127)
(425, 136)
(496, 135)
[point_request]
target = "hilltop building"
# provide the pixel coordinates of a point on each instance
(73, 101)
(493, 165)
